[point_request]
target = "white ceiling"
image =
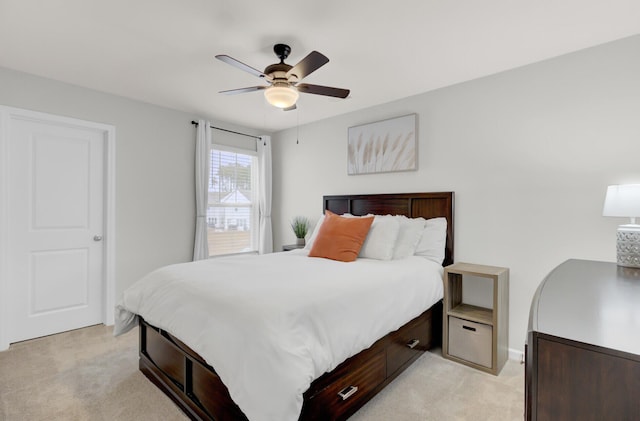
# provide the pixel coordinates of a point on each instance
(162, 51)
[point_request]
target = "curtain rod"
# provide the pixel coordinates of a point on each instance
(230, 131)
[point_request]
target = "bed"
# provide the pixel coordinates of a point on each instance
(192, 383)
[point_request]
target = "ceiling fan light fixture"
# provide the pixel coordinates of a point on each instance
(281, 95)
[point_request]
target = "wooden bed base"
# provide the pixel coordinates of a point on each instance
(193, 385)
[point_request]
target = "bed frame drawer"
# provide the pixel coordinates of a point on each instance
(163, 355)
(208, 391)
(354, 384)
(408, 343)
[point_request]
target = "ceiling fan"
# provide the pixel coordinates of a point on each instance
(283, 79)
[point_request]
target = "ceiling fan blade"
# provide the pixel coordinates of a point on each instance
(312, 62)
(322, 90)
(243, 90)
(240, 65)
(291, 108)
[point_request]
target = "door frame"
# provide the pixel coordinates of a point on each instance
(109, 131)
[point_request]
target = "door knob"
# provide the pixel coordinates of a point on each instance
(97, 238)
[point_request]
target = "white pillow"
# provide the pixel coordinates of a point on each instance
(433, 241)
(314, 234)
(381, 238)
(408, 236)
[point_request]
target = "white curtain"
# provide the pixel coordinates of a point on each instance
(203, 142)
(264, 155)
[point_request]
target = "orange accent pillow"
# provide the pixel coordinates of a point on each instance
(340, 238)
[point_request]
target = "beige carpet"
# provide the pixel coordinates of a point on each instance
(87, 374)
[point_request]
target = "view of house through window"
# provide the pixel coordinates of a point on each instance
(232, 215)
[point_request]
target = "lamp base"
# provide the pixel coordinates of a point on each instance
(628, 245)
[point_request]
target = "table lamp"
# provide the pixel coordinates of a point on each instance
(624, 201)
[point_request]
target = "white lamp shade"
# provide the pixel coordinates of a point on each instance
(281, 96)
(622, 200)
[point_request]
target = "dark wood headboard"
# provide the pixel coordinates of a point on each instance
(412, 205)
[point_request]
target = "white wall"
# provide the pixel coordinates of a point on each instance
(528, 153)
(155, 147)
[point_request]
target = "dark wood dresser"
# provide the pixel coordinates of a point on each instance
(583, 344)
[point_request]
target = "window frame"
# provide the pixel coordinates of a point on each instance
(254, 220)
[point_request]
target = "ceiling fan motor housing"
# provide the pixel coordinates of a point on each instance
(277, 71)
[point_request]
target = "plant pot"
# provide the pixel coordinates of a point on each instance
(300, 241)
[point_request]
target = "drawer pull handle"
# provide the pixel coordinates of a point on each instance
(413, 343)
(473, 329)
(347, 392)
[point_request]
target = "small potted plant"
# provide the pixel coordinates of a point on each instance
(300, 226)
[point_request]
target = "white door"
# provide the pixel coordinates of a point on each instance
(55, 213)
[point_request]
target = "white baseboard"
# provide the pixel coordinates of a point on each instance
(516, 355)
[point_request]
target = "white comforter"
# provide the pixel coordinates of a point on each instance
(271, 324)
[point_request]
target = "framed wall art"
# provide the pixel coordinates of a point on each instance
(384, 146)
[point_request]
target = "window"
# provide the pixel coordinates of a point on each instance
(232, 215)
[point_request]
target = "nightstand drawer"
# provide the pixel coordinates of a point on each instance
(470, 341)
